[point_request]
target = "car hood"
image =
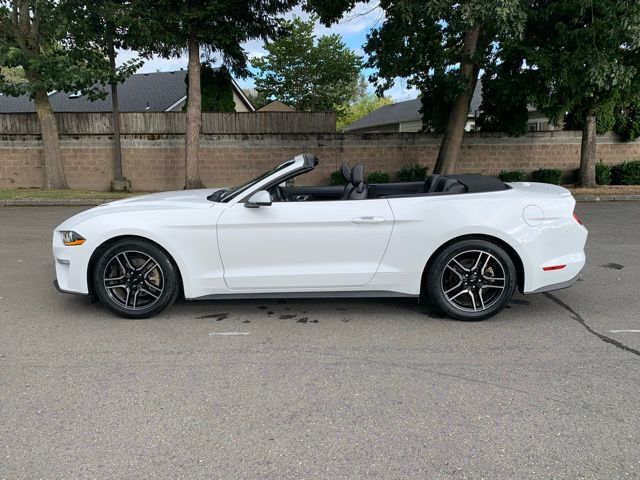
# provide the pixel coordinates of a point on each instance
(178, 200)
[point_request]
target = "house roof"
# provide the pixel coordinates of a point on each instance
(407, 111)
(142, 92)
(276, 106)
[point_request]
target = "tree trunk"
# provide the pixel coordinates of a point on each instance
(194, 118)
(53, 170)
(454, 132)
(588, 152)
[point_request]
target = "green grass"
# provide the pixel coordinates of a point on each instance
(40, 194)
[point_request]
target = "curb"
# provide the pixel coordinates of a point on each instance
(92, 202)
(68, 202)
(607, 198)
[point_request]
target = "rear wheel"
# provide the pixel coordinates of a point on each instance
(471, 280)
(135, 279)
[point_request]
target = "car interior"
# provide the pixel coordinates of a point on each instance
(356, 187)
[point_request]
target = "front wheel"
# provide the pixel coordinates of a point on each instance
(135, 278)
(471, 280)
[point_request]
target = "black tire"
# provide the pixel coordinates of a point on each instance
(135, 278)
(460, 284)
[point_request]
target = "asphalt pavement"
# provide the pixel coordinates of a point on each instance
(331, 389)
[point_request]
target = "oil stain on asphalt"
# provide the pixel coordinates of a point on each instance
(217, 316)
(613, 266)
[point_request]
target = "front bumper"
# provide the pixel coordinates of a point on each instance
(57, 285)
(71, 265)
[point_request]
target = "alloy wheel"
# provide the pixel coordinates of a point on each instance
(134, 280)
(473, 280)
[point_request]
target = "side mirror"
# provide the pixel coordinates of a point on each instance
(259, 199)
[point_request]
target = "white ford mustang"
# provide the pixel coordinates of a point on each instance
(465, 242)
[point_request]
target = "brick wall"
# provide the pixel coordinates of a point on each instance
(155, 162)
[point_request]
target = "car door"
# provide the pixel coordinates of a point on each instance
(303, 245)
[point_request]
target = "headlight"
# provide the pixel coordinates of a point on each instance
(71, 239)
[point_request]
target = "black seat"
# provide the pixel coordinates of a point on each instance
(430, 183)
(454, 186)
(345, 169)
(360, 190)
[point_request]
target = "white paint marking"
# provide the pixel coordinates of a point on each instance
(228, 333)
(624, 331)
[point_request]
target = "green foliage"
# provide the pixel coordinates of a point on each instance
(13, 75)
(422, 42)
(53, 49)
(603, 173)
(363, 104)
(216, 89)
(378, 177)
(604, 112)
(336, 178)
(504, 96)
(627, 123)
(547, 175)
(308, 73)
(580, 57)
(164, 27)
(629, 173)
(512, 176)
(412, 173)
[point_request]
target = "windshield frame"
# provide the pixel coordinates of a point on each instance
(301, 163)
(231, 193)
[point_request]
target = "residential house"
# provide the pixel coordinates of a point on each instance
(141, 92)
(276, 106)
(406, 117)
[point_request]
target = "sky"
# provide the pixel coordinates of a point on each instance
(353, 28)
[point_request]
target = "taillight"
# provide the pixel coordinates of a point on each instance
(577, 219)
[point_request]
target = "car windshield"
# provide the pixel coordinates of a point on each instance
(228, 193)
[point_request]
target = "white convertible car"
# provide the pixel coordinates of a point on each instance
(465, 242)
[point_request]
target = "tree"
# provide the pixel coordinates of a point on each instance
(439, 46)
(581, 56)
(36, 36)
(107, 26)
(363, 104)
(217, 89)
(505, 96)
(219, 27)
(627, 122)
(306, 73)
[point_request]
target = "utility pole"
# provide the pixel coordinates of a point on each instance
(119, 182)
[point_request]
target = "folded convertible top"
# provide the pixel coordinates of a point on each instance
(480, 183)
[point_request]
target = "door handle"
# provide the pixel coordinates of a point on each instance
(367, 220)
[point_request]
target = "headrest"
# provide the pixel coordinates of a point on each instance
(357, 174)
(345, 169)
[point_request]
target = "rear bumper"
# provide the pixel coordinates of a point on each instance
(560, 285)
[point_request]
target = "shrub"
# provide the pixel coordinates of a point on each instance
(616, 171)
(547, 175)
(603, 173)
(512, 176)
(630, 173)
(378, 177)
(572, 176)
(412, 173)
(336, 178)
